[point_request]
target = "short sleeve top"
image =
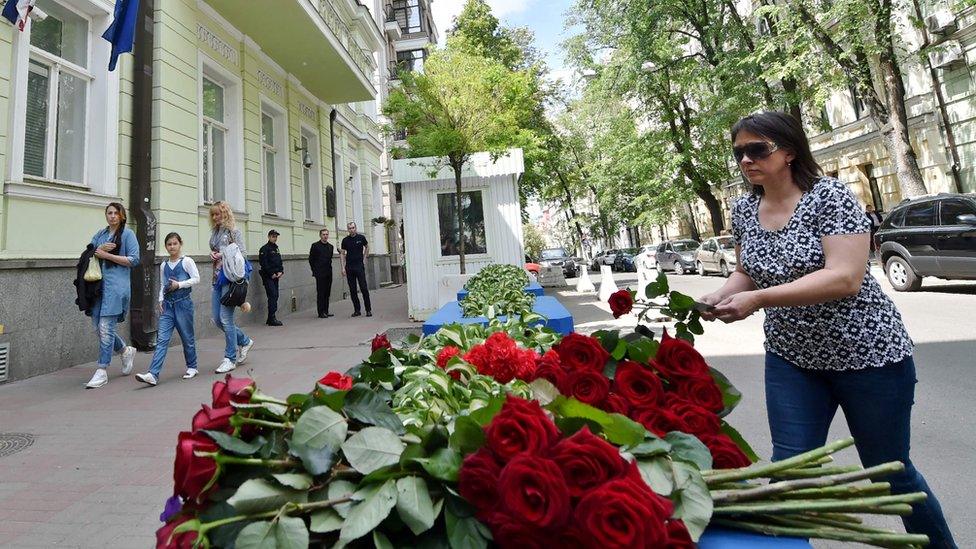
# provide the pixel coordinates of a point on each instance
(354, 245)
(856, 332)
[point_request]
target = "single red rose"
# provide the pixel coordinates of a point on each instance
(445, 355)
(659, 421)
(678, 536)
(478, 482)
(621, 303)
(637, 384)
(580, 352)
(587, 461)
(508, 532)
(214, 419)
(624, 514)
(701, 391)
(616, 404)
(380, 341)
(337, 381)
(678, 359)
(165, 539)
(232, 389)
(550, 368)
(533, 489)
(193, 475)
(520, 426)
(725, 452)
(700, 422)
(501, 358)
(587, 386)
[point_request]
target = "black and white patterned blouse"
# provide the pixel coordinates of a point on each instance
(852, 333)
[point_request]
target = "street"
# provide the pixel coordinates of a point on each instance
(939, 320)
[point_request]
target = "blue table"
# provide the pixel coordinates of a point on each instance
(533, 288)
(558, 317)
(724, 538)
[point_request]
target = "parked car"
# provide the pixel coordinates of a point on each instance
(716, 255)
(624, 260)
(677, 255)
(532, 266)
(929, 236)
(558, 257)
(647, 255)
(603, 258)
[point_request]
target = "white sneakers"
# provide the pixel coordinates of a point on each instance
(242, 352)
(226, 366)
(128, 355)
(147, 378)
(100, 379)
(190, 373)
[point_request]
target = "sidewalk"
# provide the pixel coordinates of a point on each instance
(101, 464)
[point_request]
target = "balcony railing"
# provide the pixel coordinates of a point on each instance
(334, 21)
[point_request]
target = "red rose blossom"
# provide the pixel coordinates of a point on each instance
(725, 452)
(623, 514)
(698, 420)
(659, 421)
(478, 482)
(165, 539)
(380, 341)
(501, 358)
(236, 389)
(678, 536)
(616, 404)
(587, 461)
(520, 426)
(214, 419)
(533, 489)
(621, 303)
(678, 359)
(445, 355)
(550, 368)
(587, 386)
(701, 391)
(581, 352)
(637, 384)
(192, 473)
(337, 381)
(508, 532)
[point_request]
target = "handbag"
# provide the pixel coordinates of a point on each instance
(237, 294)
(94, 271)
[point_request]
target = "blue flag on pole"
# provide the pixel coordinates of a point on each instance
(122, 31)
(16, 11)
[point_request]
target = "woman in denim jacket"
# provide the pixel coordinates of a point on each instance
(225, 231)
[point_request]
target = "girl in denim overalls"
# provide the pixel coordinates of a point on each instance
(176, 276)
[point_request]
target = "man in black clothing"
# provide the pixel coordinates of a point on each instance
(271, 271)
(320, 260)
(354, 251)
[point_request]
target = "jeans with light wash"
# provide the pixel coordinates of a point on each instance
(223, 318)
(877, 403)
(109, 341)
(176, 314)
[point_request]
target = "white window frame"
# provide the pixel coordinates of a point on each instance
(282, 155)
(356, 178)
(315, 213)
(376, 187)
(234, 142)
(100, 176)
(340, 190)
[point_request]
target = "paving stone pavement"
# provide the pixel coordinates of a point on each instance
(101, 464)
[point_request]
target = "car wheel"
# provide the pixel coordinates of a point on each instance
(701, 268)
(678, 268)
(901, 275)
(725, 269)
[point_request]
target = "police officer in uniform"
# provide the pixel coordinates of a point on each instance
(271, 271)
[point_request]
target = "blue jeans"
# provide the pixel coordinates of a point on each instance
(877, 403)
(109, 341)
(176, 314)
(223, 318)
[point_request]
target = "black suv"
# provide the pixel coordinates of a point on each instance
(929, 236)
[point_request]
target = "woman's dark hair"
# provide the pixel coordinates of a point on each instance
(117, 237)
(173, 235)
(787, 133)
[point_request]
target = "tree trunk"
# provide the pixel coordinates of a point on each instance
(693, 226)
(572, 211)
(604, 226)
(460, 216)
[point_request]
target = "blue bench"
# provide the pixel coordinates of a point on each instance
(558, 317)
(727, 538)
(533, 288)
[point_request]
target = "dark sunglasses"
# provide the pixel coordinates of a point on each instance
(756, 150)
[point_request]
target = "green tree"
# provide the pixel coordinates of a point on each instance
(461, 104)
(533, 240)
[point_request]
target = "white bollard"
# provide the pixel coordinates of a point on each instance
(583, 282)
(607, 284)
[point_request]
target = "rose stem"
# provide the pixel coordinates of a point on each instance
(221, 458)
(879, 540)
(872, 489)
(812, 472)
(875, 505)
(261, 397)
(790, 463)
(806, 520)
(820, 482)
(265, 423)
(301, 508)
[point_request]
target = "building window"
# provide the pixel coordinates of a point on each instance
(214, 142)
(340, 191)
(270, 153)
(58, 81)
(273, 159)
(409, 15)
(411, 60)
(859, 107)
(472, 211)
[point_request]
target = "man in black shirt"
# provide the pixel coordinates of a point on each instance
(271, 271)
(354, 251)
(320, 260)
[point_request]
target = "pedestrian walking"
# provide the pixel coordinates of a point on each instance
(271, 272)
(875, 219)
(355, 248)
(225, 232)
(833, 338)
(320, 260)
(117, 251)
(177, 276)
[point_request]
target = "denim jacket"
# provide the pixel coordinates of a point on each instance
(116, 287)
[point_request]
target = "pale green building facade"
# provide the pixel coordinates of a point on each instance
(262, 104)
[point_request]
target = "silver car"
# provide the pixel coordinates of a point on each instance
(716, 255)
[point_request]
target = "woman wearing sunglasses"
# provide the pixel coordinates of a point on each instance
(833, 338)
